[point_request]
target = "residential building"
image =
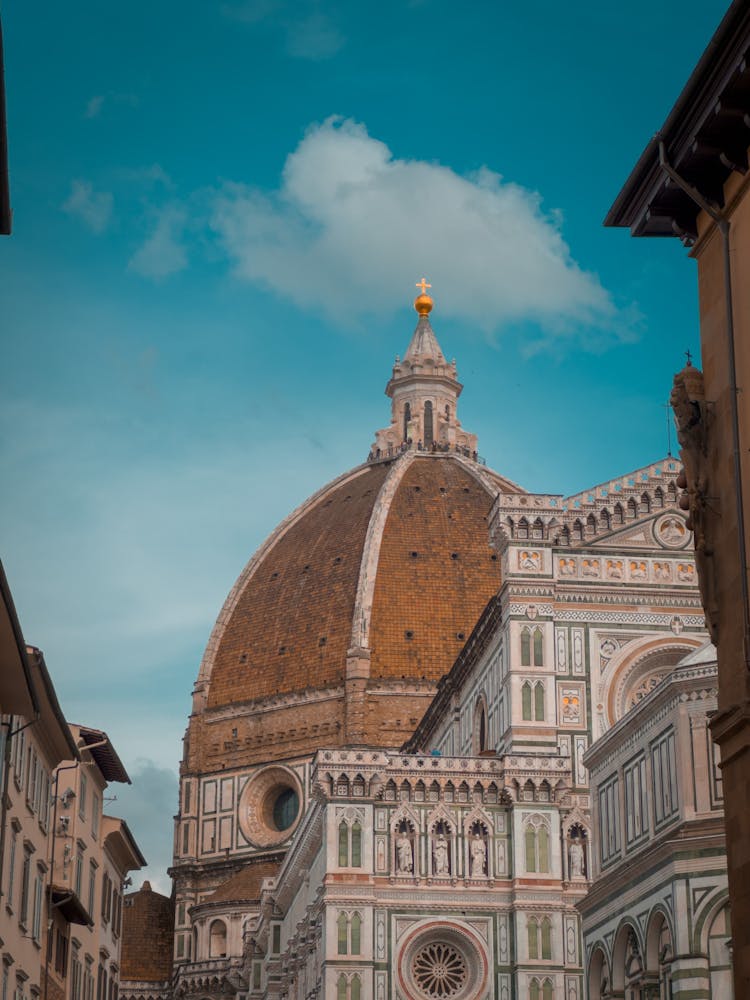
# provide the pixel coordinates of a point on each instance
(692, 181)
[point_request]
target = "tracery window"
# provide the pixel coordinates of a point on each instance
(350, 844)
(525, 648)
(536, 840)
(539, 702)
(348, 933)
(526, 701)
(538, 648)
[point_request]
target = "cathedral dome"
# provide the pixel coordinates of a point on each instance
(340, 626)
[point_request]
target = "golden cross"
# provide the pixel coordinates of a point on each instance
(423, 285)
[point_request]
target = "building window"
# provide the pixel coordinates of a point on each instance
(532, 930)
(12, 866)
(636, 802)
(539, 702)
(95, 809)
(218, 939)
(82, 796)
(92, 886)
(342, 934)
(538, 648)
(525, 648)
(23, 909)
(537, 846)
(609, 820)
(76, 974)
(664, 778)
(349, 933)
(429, 431)
(61, 954)
(350, 844)
(526, 701)
(546, 929)
(355, 934)
(79, 873)
(106, 898)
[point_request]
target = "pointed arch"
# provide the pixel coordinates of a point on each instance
(525, 647)
(538, 640)
(539, 701)
(342, 933)
(532, 934)
(526, 701)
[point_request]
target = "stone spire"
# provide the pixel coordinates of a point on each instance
(424, 390)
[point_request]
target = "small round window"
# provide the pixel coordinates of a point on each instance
(285, 809)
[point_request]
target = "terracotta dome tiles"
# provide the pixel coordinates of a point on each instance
(436, 571)
(291, 626)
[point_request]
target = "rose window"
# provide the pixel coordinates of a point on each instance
(439, 970)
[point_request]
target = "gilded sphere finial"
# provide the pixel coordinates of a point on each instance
(423, 303)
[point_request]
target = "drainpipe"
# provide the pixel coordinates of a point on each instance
(48, 955)
(723, 225)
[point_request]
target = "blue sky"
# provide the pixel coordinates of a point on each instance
(220, 212)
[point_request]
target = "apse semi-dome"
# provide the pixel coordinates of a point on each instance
(342, 623)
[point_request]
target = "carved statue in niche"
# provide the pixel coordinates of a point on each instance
(404, 855)
(440, 852)
(688, 401)
(478, 851)
(575, 855)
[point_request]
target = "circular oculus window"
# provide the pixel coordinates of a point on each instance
(270, 806)
(442, 963)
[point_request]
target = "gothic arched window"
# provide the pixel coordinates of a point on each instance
(429, 433)
(525, 648)
(539, 702)
(531, 858)
(342, 933)
(356, 860)
(538, 648)
(543, 849)
(526, 702)
(532, 929)
(343, 844)
(546, 938)
(407, 420)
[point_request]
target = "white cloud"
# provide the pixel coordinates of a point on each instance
(93, 208)
(94, 106)
(313, 37)
(351, 226)
(308, 33)
(164, 252)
